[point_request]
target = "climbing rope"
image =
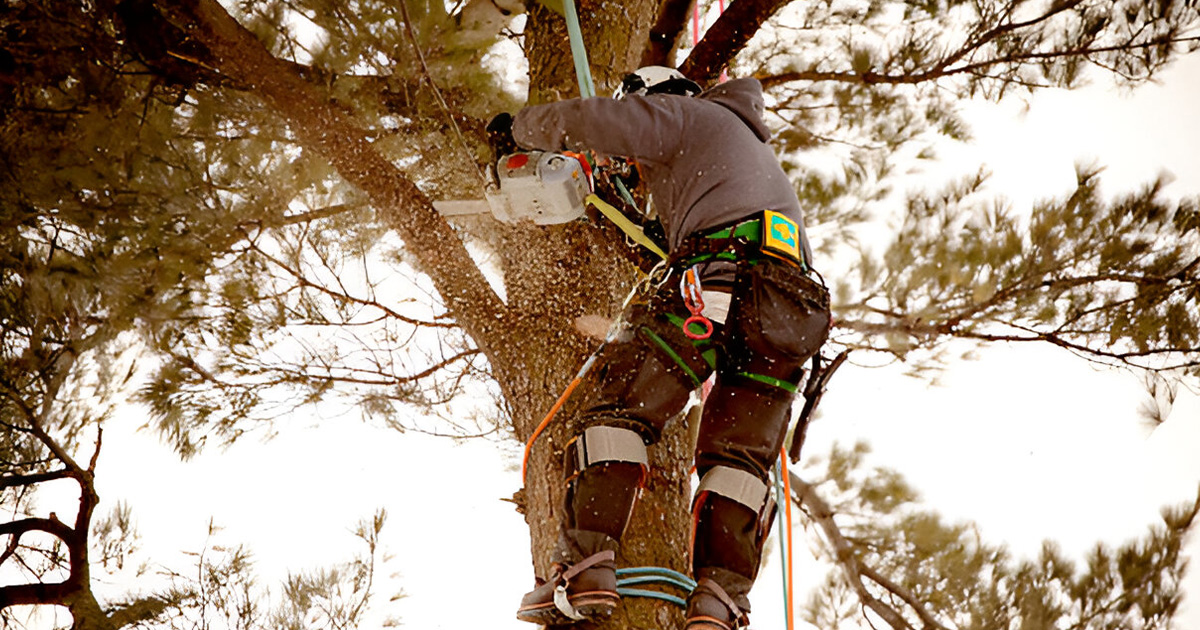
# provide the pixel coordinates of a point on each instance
(583, 71)
(783, 491)
(637, 576)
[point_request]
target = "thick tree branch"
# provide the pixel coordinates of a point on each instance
(727, 37)
(51, 526)
(844, 554)
(436, 249)
(34, 594)
(22, 594)
(12, 481)
(875, 78)
(664, 35)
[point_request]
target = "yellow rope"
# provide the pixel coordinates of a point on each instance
(631, 229)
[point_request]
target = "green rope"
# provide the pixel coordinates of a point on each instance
(578, 52)
(769, 380)
(670, 352)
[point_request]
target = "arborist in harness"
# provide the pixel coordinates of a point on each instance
(740, 298)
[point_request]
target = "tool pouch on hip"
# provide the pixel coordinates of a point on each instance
(778, 310)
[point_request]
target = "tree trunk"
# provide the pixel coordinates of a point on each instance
(659, 533)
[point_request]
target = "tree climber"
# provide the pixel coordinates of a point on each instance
(737, 249)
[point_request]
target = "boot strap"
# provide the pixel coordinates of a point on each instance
(607, 555)
(561, 600)
(710, 586)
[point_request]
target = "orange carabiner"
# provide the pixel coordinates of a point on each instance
(693, 299)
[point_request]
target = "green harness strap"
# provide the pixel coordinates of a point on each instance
(710, 357)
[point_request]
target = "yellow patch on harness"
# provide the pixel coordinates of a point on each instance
(781, 236)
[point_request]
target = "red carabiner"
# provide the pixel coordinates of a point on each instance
(697, 319)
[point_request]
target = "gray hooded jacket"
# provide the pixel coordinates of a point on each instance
(705, 158)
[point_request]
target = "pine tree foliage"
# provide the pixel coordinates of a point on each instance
(127, 203)
(872, 84)
(913, 569)
(1114, 280)
(223, 590)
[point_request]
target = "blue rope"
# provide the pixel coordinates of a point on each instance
(654, 580)
(781, 501)
(661, 571)
(624, 192)
(637, 592)
(634, 576)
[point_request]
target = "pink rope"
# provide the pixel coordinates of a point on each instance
(696, 30)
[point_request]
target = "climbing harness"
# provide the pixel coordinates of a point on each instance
(693, 299)
(767, 234)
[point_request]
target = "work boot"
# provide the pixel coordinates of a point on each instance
(583, 589)
(710, 607)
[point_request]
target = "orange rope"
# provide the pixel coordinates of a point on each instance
(787, 493)
(549, 416)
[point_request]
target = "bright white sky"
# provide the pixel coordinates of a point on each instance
(1031, 443)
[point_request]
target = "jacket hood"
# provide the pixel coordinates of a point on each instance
(743, 97)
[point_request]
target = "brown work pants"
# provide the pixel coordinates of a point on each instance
(777, 321)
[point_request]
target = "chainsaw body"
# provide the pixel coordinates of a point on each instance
(539, 186)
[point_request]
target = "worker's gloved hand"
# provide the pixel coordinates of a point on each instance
(499, 134)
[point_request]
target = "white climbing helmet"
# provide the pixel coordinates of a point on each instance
(656, 80)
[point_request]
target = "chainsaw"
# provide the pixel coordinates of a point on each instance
(539, 186)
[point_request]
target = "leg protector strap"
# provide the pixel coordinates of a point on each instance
(726, 536)
(607, 444)
(736, 485)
